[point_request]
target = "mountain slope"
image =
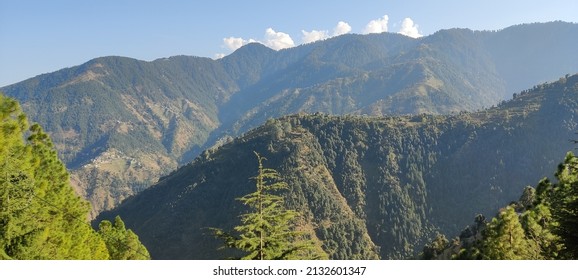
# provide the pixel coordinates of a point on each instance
(540, 48)
(120, 123)
(366, 185)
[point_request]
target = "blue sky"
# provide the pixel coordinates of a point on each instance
(43, 36)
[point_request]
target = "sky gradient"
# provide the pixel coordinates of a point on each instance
(44, 36)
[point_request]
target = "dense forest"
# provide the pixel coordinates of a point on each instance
(41, 217)
(120, 123)
(365, 187)
(541, 225)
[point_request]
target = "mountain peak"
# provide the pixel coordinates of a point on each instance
(253, 48)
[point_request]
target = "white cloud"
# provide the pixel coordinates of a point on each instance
(273, 39)
(233, 43)
(277, 40)
(341, 28)
(376, 25)
(409, 28)
(314, 35)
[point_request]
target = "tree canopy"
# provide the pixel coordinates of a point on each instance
(41, 217)
(267, 230)
(542, 224)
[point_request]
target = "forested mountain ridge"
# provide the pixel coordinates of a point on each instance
(119, 123)
(366, 186)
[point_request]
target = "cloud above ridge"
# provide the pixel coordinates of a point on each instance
(316, 35)
(377, 25)
(272, 39)
(341, 28)
(277, 40)
(409, 28)
(233, 43)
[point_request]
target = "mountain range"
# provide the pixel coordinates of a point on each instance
(366, 187)
(120, 123)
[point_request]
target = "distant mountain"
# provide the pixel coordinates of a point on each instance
(120, 123)
(365, 185)
(383, 74)
(532, 52)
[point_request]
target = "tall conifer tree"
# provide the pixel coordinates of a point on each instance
(267, 230)
(505, 238)
(122, 243)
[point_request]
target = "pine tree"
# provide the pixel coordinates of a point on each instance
(267, 230)
(432, 250)
(40, 215)
(542, 225)
(538, 224)
(16, 184)
(122, 244)
(505, 239)
(565, 206)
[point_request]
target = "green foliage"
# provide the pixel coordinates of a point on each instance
(565, 206)
(122, 244)
(40, 215)
(267, 230)
(539, 224)
(542, 224)
(16, 184)
(435, 248)
(504, 238)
